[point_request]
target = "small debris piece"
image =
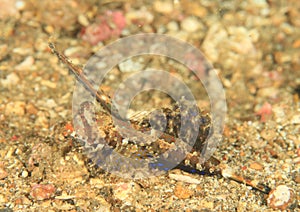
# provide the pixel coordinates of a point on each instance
(68, 130)
(31, 109)
(3, 199)
(83, 20)
(26, 64)
(11, 79)
(141, 16)
(8, 9)
(65, 196)
(3, 174)
(265, 111)
(106, 26)
(297, 178)
(295, 119)
(193, 8)
(181, 192)
(48, 83)
(126, 191)
(24, 174)
(281, 197)
(165, 7)
(42, 192)
(15, 108)
(256, 166)
(191, 24)
(296, 44)
(268, 134)
(184, 178)
(207, 205)
(23, 201)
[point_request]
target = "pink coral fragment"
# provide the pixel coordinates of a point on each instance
(42, 192)
(265, 112)
(106, 26)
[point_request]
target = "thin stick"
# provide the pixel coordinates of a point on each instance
(227, 172)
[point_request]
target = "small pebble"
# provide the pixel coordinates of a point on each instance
(268, 92)
(279, 114)
(282, 57)
(51, 103)
(126, 191)
(297, 178)
(194, 8)
(295, 119)
(281, 197)
(256, 166)
(173, 26)
(191, 24)
(214, 37)
(20, 5)
(142, 15)
(96, 182)
(8, 9)
(73, 51)
(26, 64)
(240, 41)
(265, 112)
(287, 28)
(11, 79)
(15, 108)
(31, 109)
(182, 192)
(23, 201)
(65, 196)
(49, 29)
(48, 83)
(165, 7)
(268, 134)
(3, 174)
(3, 50)
(296, 160)
(42, 192)
(3, 199)
(22, 51)
(43, 119)
(82, 19)
(207, 205)
(184, 178)
(296, 44)
(259, 3)
(24, 174)
(254, 35)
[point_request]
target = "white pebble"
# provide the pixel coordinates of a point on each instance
(11, 79)
(20, 5)
(82, 19)
(295, 119)
(164, 7)
(184, 178)
(73, 51)
(26, 64)
(142, 14)
(191, 24)
(24, 174)
(281, 197)
(173, 26)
